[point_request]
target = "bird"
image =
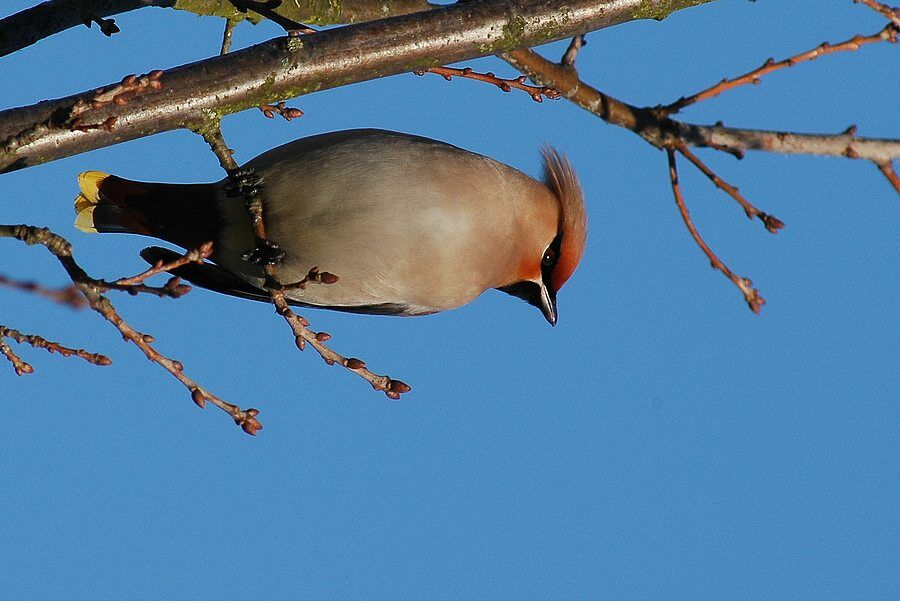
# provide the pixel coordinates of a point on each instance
(409, 225)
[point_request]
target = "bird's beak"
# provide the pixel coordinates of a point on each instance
(548, 304)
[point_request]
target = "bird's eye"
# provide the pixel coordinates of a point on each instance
(549, 258)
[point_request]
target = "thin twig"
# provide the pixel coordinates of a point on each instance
(662, 132)
(537, 93)
(19, 366)
(280, 108)
(571, 53)
(62, 250)
(887, 168)
(751, 295)
(890, 12)
(67, 295)
(107, 26)
(197, 255)
(771, 223)
(133, 285)
(888, 34)
(230, 24)
(53, 347)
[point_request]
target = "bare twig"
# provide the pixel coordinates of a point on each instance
(751, 295)
(537, 93)
(890, 12)
(51, 347)
(67, 295)
(771, 223)
(661, 131)
(197, 255)
(107, 26)
(313, 277)
(887, 168)
(571, 53)
(134, 285)
(888, 34)
(230, 24)
(62, 250)
(280, 108)
(19, 366)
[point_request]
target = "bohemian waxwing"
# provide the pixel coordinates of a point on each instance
(409, 225)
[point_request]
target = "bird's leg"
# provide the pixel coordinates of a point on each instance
(245, 182)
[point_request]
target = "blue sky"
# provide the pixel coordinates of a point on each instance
(661, 442)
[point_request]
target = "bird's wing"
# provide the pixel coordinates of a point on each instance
(212, 277)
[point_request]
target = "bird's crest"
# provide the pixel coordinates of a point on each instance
(560, 177)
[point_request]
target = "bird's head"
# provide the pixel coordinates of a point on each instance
(550, 264)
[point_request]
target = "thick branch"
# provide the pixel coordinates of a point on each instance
(48, 18)
(288, 67)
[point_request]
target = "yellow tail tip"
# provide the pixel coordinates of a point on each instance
(84, 221)
(89, 183)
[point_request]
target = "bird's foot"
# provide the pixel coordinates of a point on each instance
(265, 253)
(245, 182)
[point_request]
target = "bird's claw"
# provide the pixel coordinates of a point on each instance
(243, 181)
(265, 253)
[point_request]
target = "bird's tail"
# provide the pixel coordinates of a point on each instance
(184, 214)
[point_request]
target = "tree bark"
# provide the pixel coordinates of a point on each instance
(200, 93)
(49, 18)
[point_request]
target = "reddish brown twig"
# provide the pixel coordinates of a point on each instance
(771, 223)
(887, 168)
(298, 324)
(537, 93)
(19, 366)
(571, 53)
(281, 108)
(890, 12)
(888, 34)
(67, 295)
(303, 335)
(197, 255)
(93, 294)
(751, 294)
(662, 131)
(313, 277)
(51, 347)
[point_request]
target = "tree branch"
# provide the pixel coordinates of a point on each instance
(49, 18)
(888, 34)
(288, 67)
(751, 294)
(537, 93)
(661, 131)
(92, 290)
(51, 347)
